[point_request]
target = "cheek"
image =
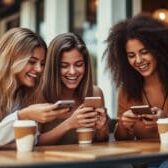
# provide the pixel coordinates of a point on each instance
(82, 70)
(62, 72)
(130, 61)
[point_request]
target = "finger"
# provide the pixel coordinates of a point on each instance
(147, 116)
(148, 122)
(128, 119)
(81, 106)
(87, 115)
(86, 109)
(101, 110)
(62, 110)
(88, 125)
(86, 121)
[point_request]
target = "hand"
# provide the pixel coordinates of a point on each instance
(150, 119)
(82, 117)
(101, 118)
(129, 119)
(42, 112)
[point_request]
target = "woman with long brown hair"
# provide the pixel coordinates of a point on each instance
(68, 75)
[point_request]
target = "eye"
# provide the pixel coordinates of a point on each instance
(79, 64)
(64, 65)
(130, 55)
(144, 52)
(32, 62)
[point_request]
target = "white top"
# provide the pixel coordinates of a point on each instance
(6, 128)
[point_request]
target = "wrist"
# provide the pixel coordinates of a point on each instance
(68, 125)
(22, 114)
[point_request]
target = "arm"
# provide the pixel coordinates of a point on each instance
(42, 113)
(124, 127)
(102, 130)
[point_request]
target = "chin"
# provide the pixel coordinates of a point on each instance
(30, 85)
(72, 86)
(146, 74)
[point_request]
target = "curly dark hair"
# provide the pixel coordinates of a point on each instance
(154, 36)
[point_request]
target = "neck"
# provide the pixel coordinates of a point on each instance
(68, 93)
(153, 80)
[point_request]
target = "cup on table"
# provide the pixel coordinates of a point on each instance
(85, 135)
(25, 131)
(163, 130)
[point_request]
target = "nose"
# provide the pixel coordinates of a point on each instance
(138, 59)
(72, 70)
(38, 68)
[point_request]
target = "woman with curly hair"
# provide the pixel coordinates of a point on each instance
(137, 56)
(22, 61)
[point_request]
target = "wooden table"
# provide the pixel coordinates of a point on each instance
(94, 155)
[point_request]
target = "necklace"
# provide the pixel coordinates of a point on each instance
(164, 101)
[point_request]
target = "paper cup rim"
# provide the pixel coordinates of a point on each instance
(162, 121)
(84, 129)
(24, 123)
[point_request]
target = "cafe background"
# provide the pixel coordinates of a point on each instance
(91, 19)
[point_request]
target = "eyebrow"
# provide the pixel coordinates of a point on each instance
(36, 58)
(33, 58)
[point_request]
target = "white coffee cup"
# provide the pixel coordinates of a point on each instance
(85, 135)
(25, 131)
(163, 130)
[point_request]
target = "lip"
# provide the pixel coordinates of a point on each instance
(143, 67)
(71, 78)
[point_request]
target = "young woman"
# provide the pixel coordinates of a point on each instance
(22, 60)
(137, 56)
(68, 75)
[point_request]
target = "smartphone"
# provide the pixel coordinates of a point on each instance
(95, 102)
(142, 109)
(64, 103)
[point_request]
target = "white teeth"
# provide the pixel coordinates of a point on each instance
(143, 66)
(71, 78)
(32, 75)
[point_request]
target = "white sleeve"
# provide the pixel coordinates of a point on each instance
(6, 128)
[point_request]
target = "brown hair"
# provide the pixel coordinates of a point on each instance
(52, 86)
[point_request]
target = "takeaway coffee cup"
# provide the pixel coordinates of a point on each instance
(85, 135)
(25, 131)
(163, 130)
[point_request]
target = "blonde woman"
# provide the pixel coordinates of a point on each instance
(68, 75)
(22, 60)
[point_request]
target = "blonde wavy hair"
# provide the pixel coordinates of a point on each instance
(16, 48)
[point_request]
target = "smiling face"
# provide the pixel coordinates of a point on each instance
(33, 69)
(140, 58)
(72, 68)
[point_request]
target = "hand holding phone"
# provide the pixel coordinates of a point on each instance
(95, 102)
(64, 104)
(142, 109)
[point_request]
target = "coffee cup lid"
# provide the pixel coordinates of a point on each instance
(24, 123)
(162, 121)
(84, 129)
